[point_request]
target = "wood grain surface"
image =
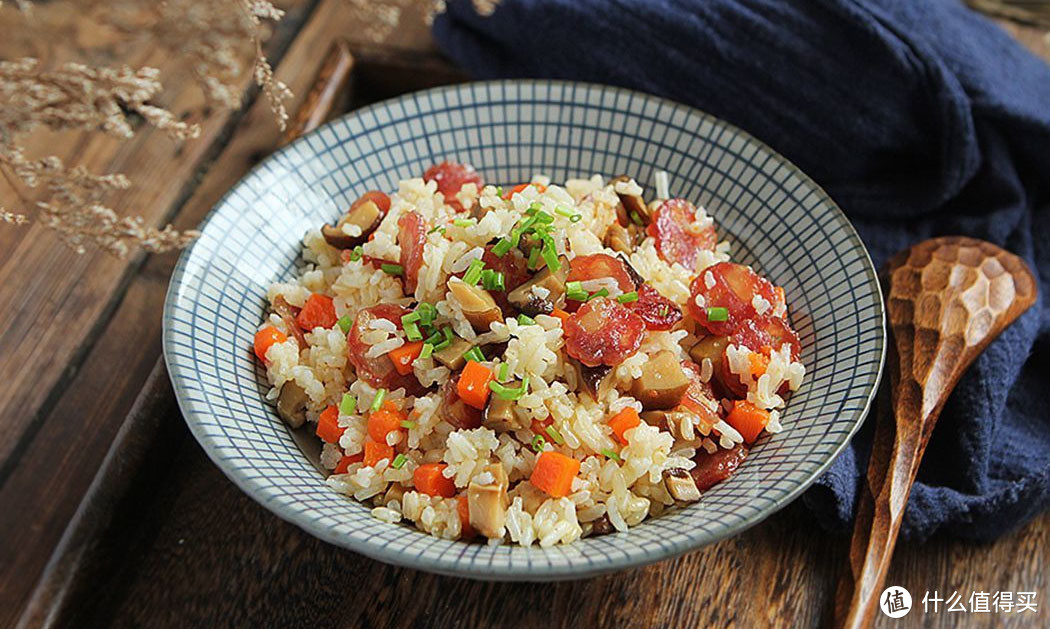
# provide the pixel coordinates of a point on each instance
(184, 546)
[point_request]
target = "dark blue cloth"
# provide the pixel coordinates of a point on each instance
(920, 118)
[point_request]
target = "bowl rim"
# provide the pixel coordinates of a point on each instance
(515, 572)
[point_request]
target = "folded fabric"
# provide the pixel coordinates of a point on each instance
(920, 118)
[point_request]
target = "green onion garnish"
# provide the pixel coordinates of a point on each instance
(412, 332)
(550, 256)
(345, 323)
(604, 292)
(534, 207)
(502, 247)
(637, 218)
(503, 372)
(473, 273)
(664, 310)
(576, 218)
(509, 393)
(718, 313)
(377, 401)
(538, 442)
(534, 258)
(492, 280)
(356, 253)
(499, 190)
(445, 343)
(436, 228)
(463, 222)
(544, 218)
(574, 290)
(555, 435)
(399, 461)
(408, 424)
(612, 455)
(347, 405)
(524, 319)
(563, 211)
(426, 313)
(427, 351)
(475, 354)
(627, 298)
(411, 317)
(392, 269)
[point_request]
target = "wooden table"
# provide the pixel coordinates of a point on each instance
(153, 534)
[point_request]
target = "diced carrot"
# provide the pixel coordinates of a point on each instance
(622, 422)
(779, 290)
(473, 385)
(328, 427)
(561, 314)
(429, 480)
(390, 405)
(747, 419)
(376, 452)
(521, 186)
(265, 338)
(463, 508)
(317, 312)
(554, 472)
(539, 426)
(759, 363)
(344, 463)
(383, 422)
(404, 356)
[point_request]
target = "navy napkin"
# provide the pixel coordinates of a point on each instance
(920, 118)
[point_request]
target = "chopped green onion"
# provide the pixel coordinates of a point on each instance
(499, 190)
(473, 273)
(555, 435)
(612, 455)
(408, 424)
(356, 253)
(574, 290)
(503, 372)
(637, 218)
(534, 258)
(475, 354)
(436, 228)
(502, 247)
(426, 313)
(492, 280)
(427, 351)
(538, 442)
(664, 310)
(347, 405)
(399, 461)
(377, 401)
(510, 393)
(412, 332)
(627, 298)
(563, 211)
(524, 319)
(534, 207)
(604, 292)
(550, 256)
(575, 218)
(544, 218)
(345, 323)
(463, 222)
(392, 269)
(445, 343)
(411, 317)
(718, 314)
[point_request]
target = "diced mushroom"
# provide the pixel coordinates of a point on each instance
(711, 347)
(478, 306)
(593, 379)
(633, 204)
(499, 414)
(366, 217)
(452, 355)
(602, 526)
(291, 404)
(673, 421)
(681, 486)
(543, 293)
(663, 382)
(287, 314)
(618, 239)
(636, 277)
(487, 502)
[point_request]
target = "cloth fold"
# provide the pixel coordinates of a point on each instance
(920, 118)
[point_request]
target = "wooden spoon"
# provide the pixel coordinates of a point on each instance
(948, 298)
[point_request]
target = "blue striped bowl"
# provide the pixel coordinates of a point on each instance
(777, 219)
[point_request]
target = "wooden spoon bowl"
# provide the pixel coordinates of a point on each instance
(947, 299)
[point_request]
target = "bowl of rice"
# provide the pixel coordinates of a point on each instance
(524, 330)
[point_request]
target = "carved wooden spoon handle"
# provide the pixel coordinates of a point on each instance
(948, 298)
